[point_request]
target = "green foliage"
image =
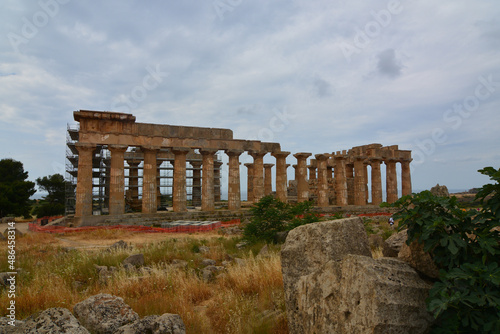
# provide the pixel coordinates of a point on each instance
(463, 244)
(15, 191)
(53, 203)
(270, 215)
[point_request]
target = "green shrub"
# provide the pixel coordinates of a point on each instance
(463, 244)
(270, 216)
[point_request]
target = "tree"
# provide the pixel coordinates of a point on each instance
(54, 203)
(465, 245)
(15, 191)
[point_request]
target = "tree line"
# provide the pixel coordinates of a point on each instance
(16, 190)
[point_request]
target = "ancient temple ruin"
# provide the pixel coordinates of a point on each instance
(118, 164)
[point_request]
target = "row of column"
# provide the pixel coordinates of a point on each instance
(357, 171)
(259, 179)
(259, 187)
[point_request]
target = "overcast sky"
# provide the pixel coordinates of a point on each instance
(315, 76)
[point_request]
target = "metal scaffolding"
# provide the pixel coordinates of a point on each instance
(101, 163)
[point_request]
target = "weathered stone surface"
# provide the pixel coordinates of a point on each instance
(421, 261)
(208, 273)
(177, 263)
(208, 262)
(394, 243)
(441, 191)
(204, 249)
(53, 320)
(316, 250)
(332, 285)
(104, 313)
(382, 296)
(136, 260)
(7, 328)
(155, 324)
(376, 241)
(119, 245)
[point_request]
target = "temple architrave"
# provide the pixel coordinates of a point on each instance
(141, 160)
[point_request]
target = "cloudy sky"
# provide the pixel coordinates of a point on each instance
(315, 76)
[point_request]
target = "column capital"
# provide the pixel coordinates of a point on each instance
(217, 163)
(248, 164)
(257, 154)
(268, 165)
(180, 150)
(208, 151)
(321, 157)
(302, 155)
(85, 146)
(149, 148)
(195, 163)
(280, 154)
(113, 147)
(234, 153)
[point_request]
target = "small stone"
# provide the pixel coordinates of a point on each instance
(208, 262)
(119, 245)
(136, 260)
(104, 313)
(53, 320)
(204, 249)
(241, 245)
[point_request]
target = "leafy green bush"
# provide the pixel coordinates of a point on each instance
(270, 216)
(464, 244)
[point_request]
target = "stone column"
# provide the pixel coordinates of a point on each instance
(312, 172)
(179, 194)
(405, 177)
(217, 188)
(295, 172)
(302, 184)
(258, 174)
(349, 172)
(281, 177)
(340, 181)
(359, 181)
(149, 179)
(84, 181)
(233, 189)
(207, 180)
(322, 180)
(376, 181)
(196, 190)
(249, 167)
(117, 180)
(133, 179)
(268, 179)
(391, 180)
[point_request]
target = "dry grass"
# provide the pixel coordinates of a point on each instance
(245, 298)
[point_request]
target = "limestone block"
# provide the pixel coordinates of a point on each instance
(136, 260)
(381, 296)
(394, 243)
(421, 261)
(156, 324)
(104, 313)
(307, 250)
(53, 320)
